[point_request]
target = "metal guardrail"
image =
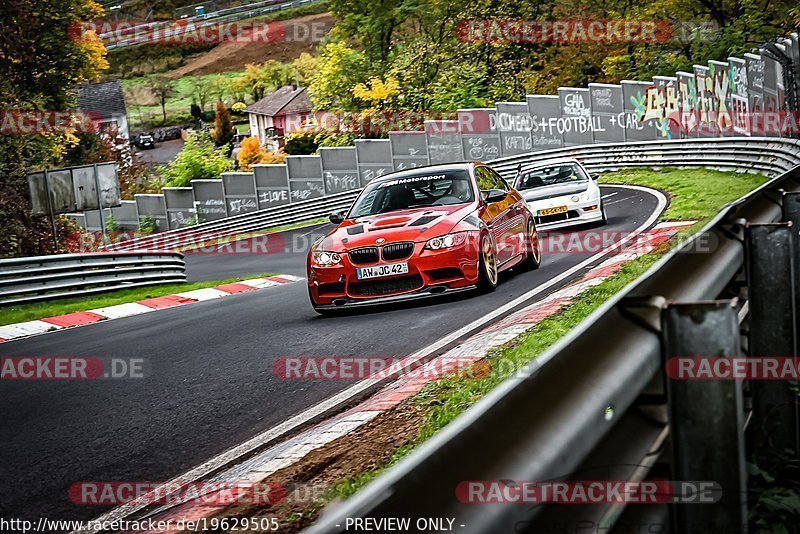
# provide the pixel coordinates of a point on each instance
(599, 397)
(243, 224)
(39, 278)
(764, 155)
(202, 21)
(770, 156)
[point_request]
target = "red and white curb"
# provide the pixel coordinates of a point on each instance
(475, 347)
(71, 320)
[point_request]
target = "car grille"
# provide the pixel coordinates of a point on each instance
(397, 251)
(377, 288)
(363, 255)
(571, 214)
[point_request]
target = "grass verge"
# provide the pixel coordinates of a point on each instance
(39, 310)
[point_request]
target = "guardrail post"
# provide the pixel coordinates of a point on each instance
(706, 416)
(791, 213)
(769, 262)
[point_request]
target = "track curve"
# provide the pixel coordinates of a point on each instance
(211, 384)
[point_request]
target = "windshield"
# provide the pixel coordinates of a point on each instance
(565, 173)
(434, 188)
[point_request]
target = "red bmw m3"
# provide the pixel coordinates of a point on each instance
(423, 232)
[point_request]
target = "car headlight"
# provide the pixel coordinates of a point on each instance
(575, 198)
(585, 196)
(446, 241)
(326, 259)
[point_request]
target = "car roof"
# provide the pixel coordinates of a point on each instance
(438, 167)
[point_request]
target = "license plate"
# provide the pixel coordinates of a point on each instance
(552, 211)
(381, 270)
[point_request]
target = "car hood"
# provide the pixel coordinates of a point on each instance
(418, 224)
(552, 191)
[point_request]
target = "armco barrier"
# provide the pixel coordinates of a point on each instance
(201, 21)
(242, 224)
(770, 156)
(598, 406)
(68, 275)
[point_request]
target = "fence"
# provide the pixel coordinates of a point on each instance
(67, 275)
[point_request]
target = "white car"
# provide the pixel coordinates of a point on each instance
(561, 194)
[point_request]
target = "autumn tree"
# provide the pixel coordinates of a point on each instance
(201, 90)
(162, 88)
(42, 62)
(304, 67)
(252, 153)
(340, 69)
(223, 126)
(377, 93)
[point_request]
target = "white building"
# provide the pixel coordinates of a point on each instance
(104, 103)
(279, 114)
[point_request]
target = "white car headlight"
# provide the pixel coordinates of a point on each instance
(446, 241)
(326, 259)
(585, 196)
(575, 198)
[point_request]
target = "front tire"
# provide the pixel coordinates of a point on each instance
(533, 252)
(487, 266)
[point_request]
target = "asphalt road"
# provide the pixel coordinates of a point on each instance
(210, 384)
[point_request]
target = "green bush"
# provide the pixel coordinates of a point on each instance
(199, 160)
(111, 225)
(301, 143)
(147, 225)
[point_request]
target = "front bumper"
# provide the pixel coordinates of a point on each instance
(583, 212)
(430, 273)
(427, 292)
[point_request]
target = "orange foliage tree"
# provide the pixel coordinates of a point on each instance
(251, 153)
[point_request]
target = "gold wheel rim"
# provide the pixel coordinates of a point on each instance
(534, 239)
(489, 262)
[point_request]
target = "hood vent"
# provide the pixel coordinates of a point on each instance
(355, 230)
(425, 219)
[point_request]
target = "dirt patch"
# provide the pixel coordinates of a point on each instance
(365, 449)
(300, 35)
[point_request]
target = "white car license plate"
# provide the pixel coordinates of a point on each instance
(381, 270)
(552, 211)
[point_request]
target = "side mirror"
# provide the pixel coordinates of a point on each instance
(495, 195)
(336, 217)
(594, 176)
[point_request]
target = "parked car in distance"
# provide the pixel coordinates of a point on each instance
(145, 141)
